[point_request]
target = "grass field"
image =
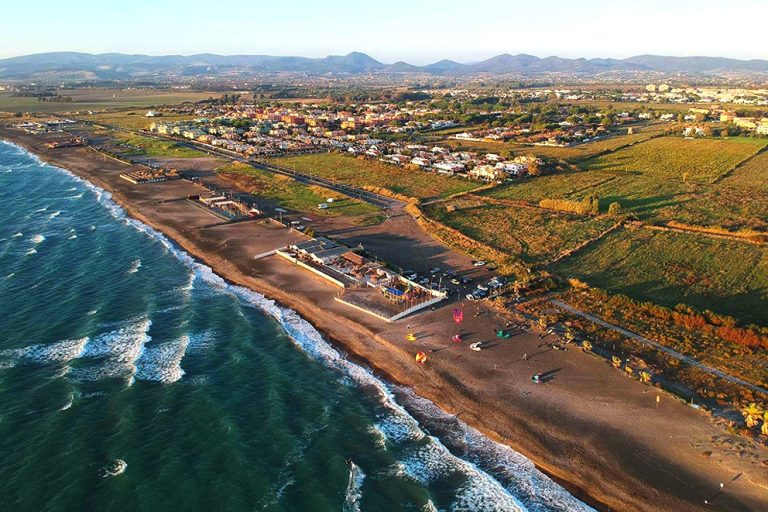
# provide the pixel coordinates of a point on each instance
(353, 171)
(669, 268)
(145, 146)
(297, 196)
(531, 234)
(132, 119)
(562, 185)
(101, 98)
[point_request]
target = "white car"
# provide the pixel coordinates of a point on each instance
(479, 263)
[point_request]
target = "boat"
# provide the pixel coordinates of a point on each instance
(476, 346)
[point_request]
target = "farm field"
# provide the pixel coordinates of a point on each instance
(530, 234)
(667, 174)
(145, 146)
(562, 185)
(361, 173)
(668, 268)
(100, 99)
(296, 196)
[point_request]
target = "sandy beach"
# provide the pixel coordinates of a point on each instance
(598, 433)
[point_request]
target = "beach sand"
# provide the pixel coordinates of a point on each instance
(596, 431)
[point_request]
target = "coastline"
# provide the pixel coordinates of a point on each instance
(528, 429)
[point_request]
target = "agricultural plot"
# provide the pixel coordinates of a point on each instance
(294, 195)
(530, 234)
(562, 185)
(669, 268)
(667, 172)
(368, 173)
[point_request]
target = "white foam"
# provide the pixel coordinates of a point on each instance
(354, 492)
(162, 362)
(31, 252)
(57, 352)
(72, 237)
(41, 210)
(37, 239)
(17, 235)
(135, 266)
(54, 214)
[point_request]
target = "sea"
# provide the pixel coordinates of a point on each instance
(132, 377)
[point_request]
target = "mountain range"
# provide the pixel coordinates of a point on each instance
(108, 66)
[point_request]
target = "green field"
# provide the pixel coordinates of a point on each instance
(669, 268)
(101, 98)
(562, 185)
(531, 234)
(146, 146)
(297, 196)
(357, 172)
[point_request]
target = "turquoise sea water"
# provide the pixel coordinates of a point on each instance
(133, 378)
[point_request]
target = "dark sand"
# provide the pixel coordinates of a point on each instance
(596, 431)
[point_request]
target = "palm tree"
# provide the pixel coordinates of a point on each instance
(752, 414)
(586, 345)
(645, 377)
(616, 362)
(764, 428)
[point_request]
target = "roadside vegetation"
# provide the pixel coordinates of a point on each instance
(297, 196)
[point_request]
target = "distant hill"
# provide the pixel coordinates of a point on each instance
(109, 66)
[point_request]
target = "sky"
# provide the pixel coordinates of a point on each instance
(417, 31)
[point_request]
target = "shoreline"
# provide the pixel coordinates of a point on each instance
(442, 385)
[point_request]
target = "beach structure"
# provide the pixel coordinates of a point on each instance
(142, 176)
(366, 285)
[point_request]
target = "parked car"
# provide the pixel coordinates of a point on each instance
(424, 281)
(466, 280)
(478, 263)
(482, 287)
(470, 296)
(435, 270)
(455, 281)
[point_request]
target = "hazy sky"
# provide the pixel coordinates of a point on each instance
(418, 31)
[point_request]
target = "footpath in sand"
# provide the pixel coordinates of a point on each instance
(597, 432)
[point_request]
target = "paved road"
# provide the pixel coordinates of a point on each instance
(677, 355)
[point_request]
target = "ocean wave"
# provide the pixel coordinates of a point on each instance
(17, 235)
(30, 252)
(72, 237)
(54, 214)
(135, 266)
(57, 352)
(162, 362)
(41, 210)
(354, 490)
(37, 239)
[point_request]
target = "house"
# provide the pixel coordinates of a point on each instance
(486, 173)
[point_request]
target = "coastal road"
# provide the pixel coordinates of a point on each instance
(677, 355)
(373, 198)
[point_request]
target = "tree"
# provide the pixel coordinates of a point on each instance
(586, 345)
(645, 377)
(614, 208)
(764, 428)
(752, 414)
(534, 169)
(616, 362)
